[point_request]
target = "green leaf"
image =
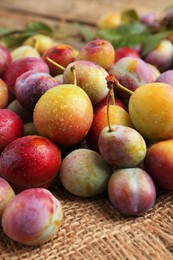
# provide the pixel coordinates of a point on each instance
(38, 27)
(127, 35)
(4, 32)
(151, 41)
(129, 16)
(11, 41)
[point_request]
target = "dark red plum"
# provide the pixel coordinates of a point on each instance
(18, 67)
(30, 161)
(131, 191)
(158, 163)
(30, 86)
(11, 127)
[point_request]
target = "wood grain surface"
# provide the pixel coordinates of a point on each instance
(20, 11)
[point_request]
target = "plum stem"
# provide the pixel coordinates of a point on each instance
(55, 63)
(110, 84)
(111, 80)
(123, 88)
(109, 97)
(73, 70)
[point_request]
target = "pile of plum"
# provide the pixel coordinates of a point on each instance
(97, 119)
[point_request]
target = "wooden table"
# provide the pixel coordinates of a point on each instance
(15, 14)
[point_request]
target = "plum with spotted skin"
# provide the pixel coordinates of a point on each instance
(33, 217)
(121, 146)
(99, 51)
(131, 191)
(90, 77)
(84, 173)
(117, 115)
(30, 161)
(155, 122)
(62, 54)
(64, 114)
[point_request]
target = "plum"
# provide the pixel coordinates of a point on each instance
(24, 51)
(30, 161)
(151, 20)
(109, 20)
(125, 52)
(150, 109)
(11, 127)
(131, 191)
(18, 67)
(6, 195)
(166, 77)
(84, 173)
(40, 42)
(161, 56)
(158, 163)
(3, 94)
(90, 77)
(121, 146)
(64, 114)
(62, 54)
(33, 217)
(99, 51)
(30, 86)
(118, 116)
(131, 72)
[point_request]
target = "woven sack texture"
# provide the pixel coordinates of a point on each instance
(93, 229)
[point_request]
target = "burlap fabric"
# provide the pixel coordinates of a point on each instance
(93, 229)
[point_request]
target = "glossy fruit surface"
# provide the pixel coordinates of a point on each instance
(158, 163)
(64, 114)
(150, 109)
(30, 161)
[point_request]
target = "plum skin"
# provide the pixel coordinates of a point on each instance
(11, 127)
(158, 163)
(131, 191)
(33, 217)
(30, 161)
(6, 195)
(84, 173)
(67, 117)
(30, 86)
